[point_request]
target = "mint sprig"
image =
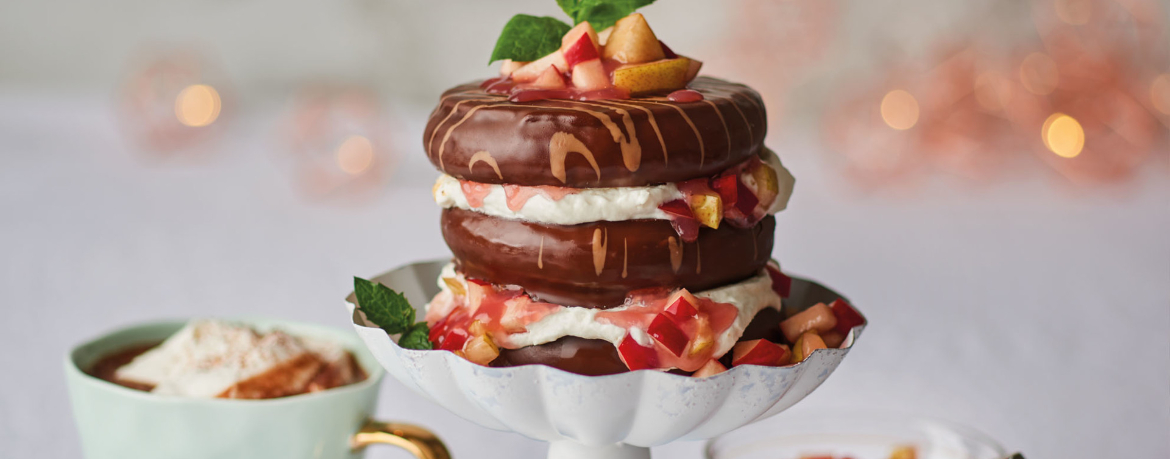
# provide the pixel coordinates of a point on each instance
(390, 311)
(527, 38)
(601, 14)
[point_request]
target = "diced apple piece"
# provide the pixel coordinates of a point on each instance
(781, 284)
(510, 66)
(584, 49)
(681, 306)
(665, 331)
(759, 352)
(551, 78)
(455, 286)
(656, 76)
(833, 339)
(761, 179)
(532, 70)
(693, 67)
(633, 42)
(590, 75)
(704, 337)
(476, 291)
(574, 35)
(805, 345)
(708, 209)
(746, 200)
(682, 219)
(847, 317)
(453, 340)
(818, 318)
(711, 368)
(637, 356)
(904, 452)
(481, 350)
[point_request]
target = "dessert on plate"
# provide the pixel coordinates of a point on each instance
(609, 210)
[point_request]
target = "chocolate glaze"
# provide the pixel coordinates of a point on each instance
(484, 138)
(595, 357)
(557, 264)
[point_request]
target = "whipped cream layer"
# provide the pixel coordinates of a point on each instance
(573, 206)
(748, 297)
(209, 358)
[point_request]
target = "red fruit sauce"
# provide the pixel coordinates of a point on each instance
(685, 95)
(686, 332)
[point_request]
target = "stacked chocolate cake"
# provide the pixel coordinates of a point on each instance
(611, 222)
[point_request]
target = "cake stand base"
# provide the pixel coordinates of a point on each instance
(574, 450)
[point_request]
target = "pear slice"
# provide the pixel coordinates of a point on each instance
(632, 41)
(662, 75)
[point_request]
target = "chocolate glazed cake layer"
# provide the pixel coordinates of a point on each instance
(595, 357)
(485, 138)
(597, 264)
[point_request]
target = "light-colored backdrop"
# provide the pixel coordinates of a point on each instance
(1036, 311)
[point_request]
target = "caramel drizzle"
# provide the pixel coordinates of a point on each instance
(698, 259)
(563, 143)
(687, 118)
(466, 116)
(721, 120)
(540, 255)
(631, 148)
(625, 257)
(486, 157)
(676, 253)
(653, 124)
(730, 96)
(599, 248)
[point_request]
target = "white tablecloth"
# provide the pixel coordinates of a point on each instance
(1036, 312)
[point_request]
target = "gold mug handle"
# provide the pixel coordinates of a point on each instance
(418, 441)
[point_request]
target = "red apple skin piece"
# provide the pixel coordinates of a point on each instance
(677, 208)
(727, 187)
(665, 331)
(637, 356)
(590, 75)
(681, 310)
(746, 201)
(580, 51)
(818, 318)
(760, 352)
(580, 30)
(847, 317)
(532, 70)
(781, 284)
(711, 368)
(666, 51)
(682, 219)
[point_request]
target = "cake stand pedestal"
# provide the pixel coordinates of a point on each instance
(597, 417)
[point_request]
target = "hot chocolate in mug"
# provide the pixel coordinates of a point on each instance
(116, 422)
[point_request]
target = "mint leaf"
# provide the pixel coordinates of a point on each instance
(383, 306)
(601, 14)
(528, 38)
(416, 338)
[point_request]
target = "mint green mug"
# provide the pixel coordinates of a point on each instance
(120, 423)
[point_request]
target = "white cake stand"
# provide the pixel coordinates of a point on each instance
(596, 417)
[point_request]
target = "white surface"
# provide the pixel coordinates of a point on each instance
(1036, 313)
